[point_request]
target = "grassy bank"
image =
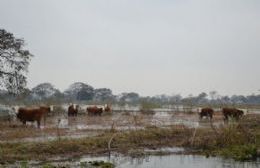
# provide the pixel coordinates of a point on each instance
(119, 141)
(238, 140)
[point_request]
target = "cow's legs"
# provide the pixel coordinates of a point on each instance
(38, 123)
(225, 117)
(210, 116)
(44, 120)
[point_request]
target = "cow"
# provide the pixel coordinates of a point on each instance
(33, 114)
(208, 112)
(232, 112)
(73, 110)
(107, 108)
(94, 110)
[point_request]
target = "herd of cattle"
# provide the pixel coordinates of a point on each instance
(227, 112)
(25, 114)
(39, 113)
(91, 110)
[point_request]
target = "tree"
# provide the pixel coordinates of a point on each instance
(44, 91)
(80, 91)
(201, 98)
(131, 97)
(103, 94)
(176, 99)
(14, 61)
(189, 102)
(213, 94)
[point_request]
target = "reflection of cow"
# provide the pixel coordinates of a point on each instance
(73, 110)
(33, 114)
(94, 110)
(208, 112)
(232, 112)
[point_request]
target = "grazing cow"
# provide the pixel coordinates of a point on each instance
(232, 112)
(107, 108)
(73, 110)
(94, 110)
(208, 112)
(33, 114)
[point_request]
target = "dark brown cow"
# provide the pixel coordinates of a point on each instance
(232, 112)
(208, 112)
(94, 110)
(33, 114)
(73, 111)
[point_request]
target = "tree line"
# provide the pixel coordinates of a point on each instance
(84, 93)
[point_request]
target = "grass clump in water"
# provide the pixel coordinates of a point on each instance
(96, 164)
(240, 153)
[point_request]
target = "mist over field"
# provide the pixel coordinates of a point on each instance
(149, 47)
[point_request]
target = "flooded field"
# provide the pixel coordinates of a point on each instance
(61, 126)
(135, 139)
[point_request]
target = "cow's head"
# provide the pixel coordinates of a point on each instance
(15, 109)
(240, 112)
(74, 106)
(51, 108)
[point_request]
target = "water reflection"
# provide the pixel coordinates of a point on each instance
(174, 161)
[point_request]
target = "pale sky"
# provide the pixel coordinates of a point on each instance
(146, 46)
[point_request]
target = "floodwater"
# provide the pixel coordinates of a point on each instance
(183, 161)
(163, 161)
(127, 122)
(89, 126)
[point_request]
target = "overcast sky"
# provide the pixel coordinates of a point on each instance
(147, 46)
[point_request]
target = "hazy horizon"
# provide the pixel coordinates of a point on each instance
(149, 47)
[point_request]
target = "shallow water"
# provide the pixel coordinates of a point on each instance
(165, 161)
(184, 161)
(80, 126)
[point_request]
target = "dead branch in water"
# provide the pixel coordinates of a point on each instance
(110, 141)
(214, 128)
(193, 136)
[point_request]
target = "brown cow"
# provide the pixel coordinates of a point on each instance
(208, 112)
(73, 111)
(232, 112)
(33, 114)
(94, 110)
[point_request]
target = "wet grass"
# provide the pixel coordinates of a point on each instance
(238, 140)
(17, 131)
(89, 164)
(123, 141)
